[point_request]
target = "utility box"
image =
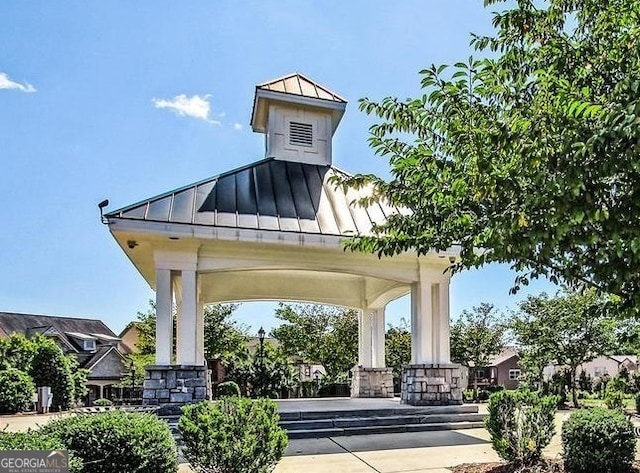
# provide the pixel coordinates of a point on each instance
(45, 397)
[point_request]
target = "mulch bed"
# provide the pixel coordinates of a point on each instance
(549, 466)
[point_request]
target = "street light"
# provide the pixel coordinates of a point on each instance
(316, 376)
(261, 334)
(133, 381)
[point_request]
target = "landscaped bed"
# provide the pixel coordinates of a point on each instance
(549, 466)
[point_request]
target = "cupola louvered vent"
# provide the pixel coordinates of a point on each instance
(300, 134)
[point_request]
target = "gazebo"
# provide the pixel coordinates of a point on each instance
(273, 230)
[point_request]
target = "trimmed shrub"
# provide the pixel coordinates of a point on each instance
(228, 388)
(520, 424)
(483, 395)
(118, 441)
(234, 435)
(50, 367)
(103, 402)
(16, 391)
(34, 440)
(598, 440)
(613, 396)
(638, 403)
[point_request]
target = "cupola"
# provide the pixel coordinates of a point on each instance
(298, 117)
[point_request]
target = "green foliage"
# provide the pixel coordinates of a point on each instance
(146, 328)
(637, 399)
(569, 329)
(529, 153)
(476, 336)
(224, 338)
(228, 388)
(614, 393)
(103, 402)
(270, 373)
(50, 367)
(16, 351)
(117, 441)
(34, 440)
(398, 347)
(319, 334)
(585, 382)
(598, 440)
(16, 391)
(520, 424)
(79, 376)
(233, 435)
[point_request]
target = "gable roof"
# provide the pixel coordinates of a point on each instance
(30, 323)
(622, 358)
(506, 354)
(298, 84)
(267, 195)
(100, 354)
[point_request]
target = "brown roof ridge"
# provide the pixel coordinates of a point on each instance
(50, 316)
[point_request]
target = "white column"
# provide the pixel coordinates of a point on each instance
(445, 342)
(377, 345)
(422, 322)
(187, 320)
(200, 359)
(364, 338)
(164, 322)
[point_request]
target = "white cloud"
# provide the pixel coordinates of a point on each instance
(237, 126)
(6, 83)
(196, 106)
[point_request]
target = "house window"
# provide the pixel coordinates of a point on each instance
(514, 375)
(89, 345)
(300, 134)
(599, 371)
(479, 373)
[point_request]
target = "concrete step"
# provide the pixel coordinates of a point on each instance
(333, 414)
(352, 422)
(382, 429)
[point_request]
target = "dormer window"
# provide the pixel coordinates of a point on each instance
(89, 345)
(300, 134)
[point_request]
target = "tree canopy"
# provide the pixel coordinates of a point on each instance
(529, 153)
(319, 334)
(566, 330)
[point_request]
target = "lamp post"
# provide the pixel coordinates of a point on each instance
(316, 376)
(261, 334)
(133, 381)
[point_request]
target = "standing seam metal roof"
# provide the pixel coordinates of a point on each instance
(268, 195)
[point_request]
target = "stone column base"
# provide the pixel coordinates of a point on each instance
(172, 386)
(431, 385)
(371, 382)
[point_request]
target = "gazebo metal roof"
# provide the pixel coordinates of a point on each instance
(267, 195)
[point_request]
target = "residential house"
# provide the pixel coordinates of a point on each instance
(95, 346)
(609, 365)
(503, 370)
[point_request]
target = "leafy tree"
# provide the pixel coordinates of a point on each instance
(224, 338)
(529, 153)
(79, 376)
(319, 334)
(146, 327)
(398, 347)
(16, 351)
(50, 367)
(270, 374)
(570, 329)
(476, 336)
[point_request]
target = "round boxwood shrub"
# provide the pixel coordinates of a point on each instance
(234, 435)
(521, 425)
(228, 388)
(35, 440)
(118, 441)
(103, 402)
(16, 391)
(599, 440)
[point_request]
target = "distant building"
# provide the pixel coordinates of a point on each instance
(503, 370)
(94, 344)
(604, 365)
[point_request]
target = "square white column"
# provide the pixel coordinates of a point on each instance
(164, 318)
(187, 320)
(377, 339)
(444, 353)
(365, 322)
(422, 322)
(200, 358)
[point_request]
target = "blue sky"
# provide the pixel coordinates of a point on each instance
(125, 100)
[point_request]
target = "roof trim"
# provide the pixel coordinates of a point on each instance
(89, 367)
(337, 98)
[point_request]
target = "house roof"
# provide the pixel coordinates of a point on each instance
(267, 195)
(30, 323)
(622, 358)
(298, 84)
(99, 355)
(506, 354)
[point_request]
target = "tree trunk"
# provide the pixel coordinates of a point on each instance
(574, 396)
